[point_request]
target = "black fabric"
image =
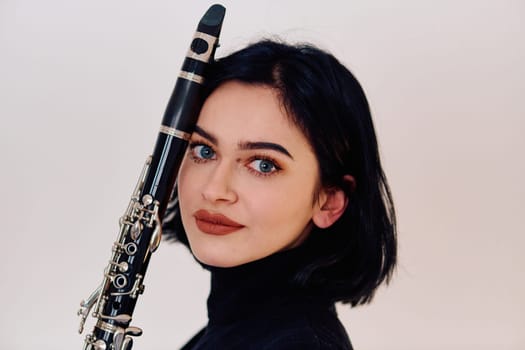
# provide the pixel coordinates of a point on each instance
(257, 306)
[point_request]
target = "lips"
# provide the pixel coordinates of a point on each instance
(215, 224)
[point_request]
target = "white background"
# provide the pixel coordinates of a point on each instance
(83, 86)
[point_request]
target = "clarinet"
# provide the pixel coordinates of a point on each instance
(140, 231)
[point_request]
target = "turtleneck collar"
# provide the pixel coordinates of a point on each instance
(262, 287)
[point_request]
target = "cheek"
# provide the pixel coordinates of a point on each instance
(281, 206)
(185, 191)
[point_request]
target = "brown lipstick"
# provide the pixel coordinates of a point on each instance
(215, 224)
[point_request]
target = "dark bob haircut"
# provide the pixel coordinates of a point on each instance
(350, 259)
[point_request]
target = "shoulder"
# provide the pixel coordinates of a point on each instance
(307, 339)
(294, 340)
(321, 332)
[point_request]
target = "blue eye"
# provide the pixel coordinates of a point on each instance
(205, 152)
(201, 151)
(264, 166)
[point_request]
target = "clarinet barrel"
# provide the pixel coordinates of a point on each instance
(113, 302)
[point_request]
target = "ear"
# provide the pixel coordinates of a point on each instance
(332, 204)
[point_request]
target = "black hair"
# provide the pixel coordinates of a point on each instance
(355, 255)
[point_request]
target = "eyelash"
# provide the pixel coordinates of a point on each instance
(266, 158)
(193, 157)
(261, 157)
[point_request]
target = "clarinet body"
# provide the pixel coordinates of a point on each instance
(140, 231)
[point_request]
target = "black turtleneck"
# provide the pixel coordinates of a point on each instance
(257, 306)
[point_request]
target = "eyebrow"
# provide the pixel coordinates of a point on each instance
(206, 135)
(245, 145)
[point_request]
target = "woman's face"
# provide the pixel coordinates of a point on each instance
(247, 184)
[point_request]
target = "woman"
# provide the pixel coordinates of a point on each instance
(282, 197)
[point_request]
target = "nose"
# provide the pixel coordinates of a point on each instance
(219, 188)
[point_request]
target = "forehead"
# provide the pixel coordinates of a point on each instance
(237, 110)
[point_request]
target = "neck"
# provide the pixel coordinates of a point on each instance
(259, 287)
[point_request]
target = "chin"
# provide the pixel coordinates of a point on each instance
(212, 256)
(216, 261)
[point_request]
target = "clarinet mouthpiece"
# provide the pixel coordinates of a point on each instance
(211, 22)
